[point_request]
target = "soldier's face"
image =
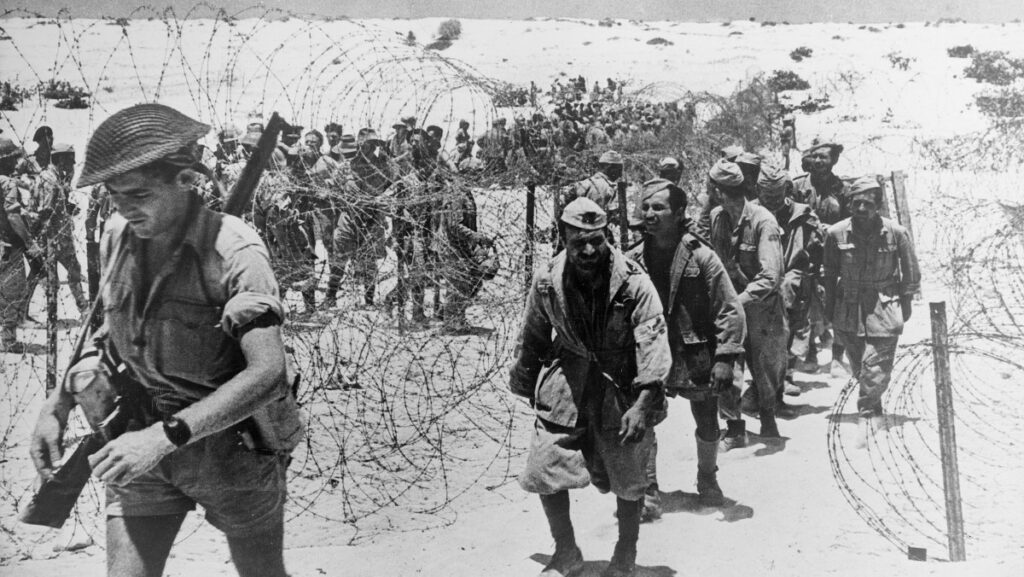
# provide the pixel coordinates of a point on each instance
(333, 138)
(659, 219)
(820, 161)
(772, 199)
(313, 142)
(151, 206)
(863, 207)
(587, 250)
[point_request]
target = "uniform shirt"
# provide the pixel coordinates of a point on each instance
(750, 249)
(826, 201)
(180, 336)
(871, 272)
(597, 188)
(10, 201)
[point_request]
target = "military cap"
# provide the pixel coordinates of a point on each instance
(398, 125)
(409, 120)
(863, 185)
(726, 173)
(668, 162)
(8, 149)
(610, 157)
(135, 137)
(250, 139)
(584, 214)
(435, 131)
(772, 177)
(748, 158)
(834, 149)
(731, 152)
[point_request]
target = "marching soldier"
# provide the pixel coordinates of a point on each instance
(596, 387)
(706, 325)
(870, 277)
(747, 239)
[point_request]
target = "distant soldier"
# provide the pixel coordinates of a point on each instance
(787, 138)
(824, 192)
(801, 250)
(870, 277)
(51, 217)
(596, 385)
(333, 132)
(494, 146)
(599, 187)
(463, 142)
(706, 325)
(748, 240)
(15, 243)
(465, 258)
(359, 235)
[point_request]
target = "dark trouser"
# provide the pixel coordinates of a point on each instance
(12, 289)
(767, 335)
(871, 360)
(64, 247)
(705, 414)
(464, 282)
(293, 259)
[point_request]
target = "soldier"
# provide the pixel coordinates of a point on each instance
(333, 131)
(801, 250)
(359, 235)
(747, 239)
(600, 187)
(15, 242)
(870, 277)
(194, 313)
(824, 192)
(494, 145)
(705, 326)
(51, 213)
(597, 387)
(750, 164)
(463, 142)
(714, 198)
(466, 261)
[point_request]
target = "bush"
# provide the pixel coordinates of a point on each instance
(964, 51)
(659, 41)
(800, 53)
(1007, 103)
(783, 80)
(62, 90)
(994, 67)
(12, 96)
(439, 44)
(450, 29)
(509, 95)
(897, 60)
(607, 23)
(410, 39)
(809, 105)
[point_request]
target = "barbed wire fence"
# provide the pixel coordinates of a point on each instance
(403, 419)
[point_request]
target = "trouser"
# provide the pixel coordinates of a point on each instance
(766, 359)
(13, 288)
(66, 256)
(358, 240)
(293, 259)
(464, 282)
(413, 238)
(871, 361)
(705, 414)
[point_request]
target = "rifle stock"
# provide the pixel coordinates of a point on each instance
(242, 192)
(52, 504)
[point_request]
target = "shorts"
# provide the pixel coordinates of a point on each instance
(242, 491)
(564, 458)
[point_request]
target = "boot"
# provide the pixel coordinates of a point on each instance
(735, 436)
(707, 479)
(623, 563)
(568, 559)
(652, 505)
(768, 427)
(369, 293)
(9, 342)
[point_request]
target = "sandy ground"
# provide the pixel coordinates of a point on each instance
(359, 511)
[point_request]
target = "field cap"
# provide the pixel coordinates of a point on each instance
(731, 152)
(135, 137)
(584, 214)
(773, 178)
(610, 157)
(862, 185)
(834, 149)
(726, 173)
(668, 162)
(8, 148)
(748, 158)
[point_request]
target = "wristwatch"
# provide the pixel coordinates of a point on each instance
(177, 431)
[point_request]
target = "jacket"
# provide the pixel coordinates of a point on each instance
(751, 251)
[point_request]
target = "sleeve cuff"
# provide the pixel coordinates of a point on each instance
(245, 307)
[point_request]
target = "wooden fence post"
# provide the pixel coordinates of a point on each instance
(52, 285)
(947, 433)
(531, 230)
(899, 193)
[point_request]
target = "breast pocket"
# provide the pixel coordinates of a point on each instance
(189, 343)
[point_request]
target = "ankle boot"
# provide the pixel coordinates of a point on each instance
(623, 563)
(707, 478)
(568, 559)
(735, 435)
(768, 427)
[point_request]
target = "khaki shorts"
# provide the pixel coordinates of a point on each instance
(564, 458)
(241, 491)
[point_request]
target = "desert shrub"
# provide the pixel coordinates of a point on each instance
(1007, 103)
(735, 33)
(508, 95)
(964, 51)
(450, 29)
(410, 39)
(75, 101)
(607, 22)
(897, 60)
(439, 44)
(809, 105)
(659, 41)
(994, 67)
(767, 23)
(782, 80)
(61, 90)
(798, 54)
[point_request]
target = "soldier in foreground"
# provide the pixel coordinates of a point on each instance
(706, 325)
(596, 387)
(870, 276)
(193, 310)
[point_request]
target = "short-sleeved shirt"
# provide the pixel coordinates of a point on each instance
(181, 337)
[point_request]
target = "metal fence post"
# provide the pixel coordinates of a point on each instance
(947, 432)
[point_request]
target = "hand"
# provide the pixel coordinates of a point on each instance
(34, 250)
(46, 446)
(130, 455)
(634, 425)
(722, 376)
(907, 305)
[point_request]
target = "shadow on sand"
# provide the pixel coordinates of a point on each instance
(594, 568)
(683, 502)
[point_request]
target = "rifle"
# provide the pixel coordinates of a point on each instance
(112, 412)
